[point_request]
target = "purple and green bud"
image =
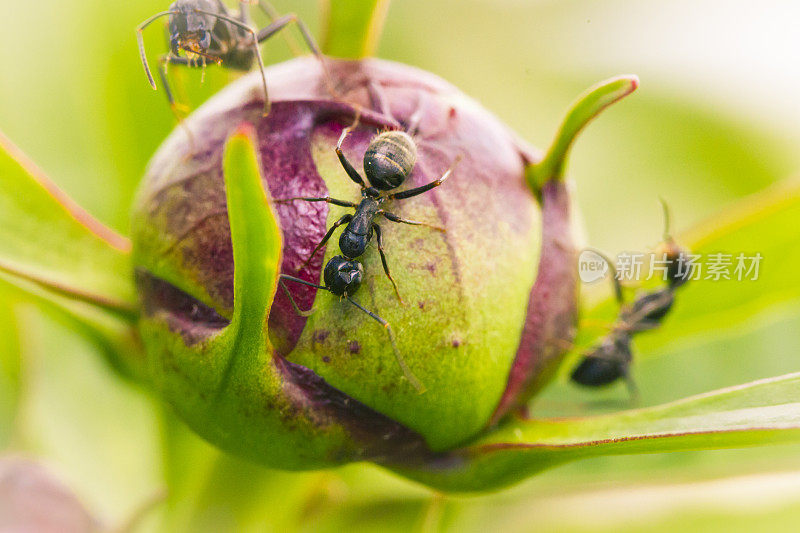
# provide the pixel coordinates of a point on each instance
(490, 304)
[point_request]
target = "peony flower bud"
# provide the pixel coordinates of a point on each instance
(489, 303)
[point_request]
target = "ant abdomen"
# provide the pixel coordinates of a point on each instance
(389, 159)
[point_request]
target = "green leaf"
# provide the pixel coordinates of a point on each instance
(759, 413)
(112, 333)
(585, 108)
(353, 27)
(48, 241)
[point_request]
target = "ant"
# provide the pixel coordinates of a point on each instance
(610, 360)
(388, 161)
(207, 31)
(343, 277)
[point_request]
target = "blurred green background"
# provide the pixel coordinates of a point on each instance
(715, 119)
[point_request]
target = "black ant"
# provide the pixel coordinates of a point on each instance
(610, 360)
(208, 32)
(343, 277)
(388, 161)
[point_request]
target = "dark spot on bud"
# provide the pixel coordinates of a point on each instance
(326, 359)
(456, 343)
(319, 336)
(354, 347)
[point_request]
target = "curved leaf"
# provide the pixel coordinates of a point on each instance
(762, 412)
(50, 242)
(585, 109)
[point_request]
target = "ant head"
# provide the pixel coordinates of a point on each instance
(343, 276)
(389, 159)
(678, 271)
(191, 25)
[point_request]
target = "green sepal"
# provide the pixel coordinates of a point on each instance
(585, 108)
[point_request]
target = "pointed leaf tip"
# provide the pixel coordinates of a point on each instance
(585, 108)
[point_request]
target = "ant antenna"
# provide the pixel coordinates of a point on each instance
(667, 219)
(245, 27)
(611, 270)
(140, 39)
(416, 117)
(297, 309)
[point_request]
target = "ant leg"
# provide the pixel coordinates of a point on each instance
(633, 390)
(173, 105)
(304, 282)
(613, 271)
(256, 48)
(378, 98)
(351, 171)
(326, 199)
(284, 21)
(243, 15)
(297, 309)
(203, 75)
(140, 40)
(416, 118)
(395, 218)
(425, 188)
(162, 73)
(379, 240)
(272, 15)
(400, 361)
(344, 220)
